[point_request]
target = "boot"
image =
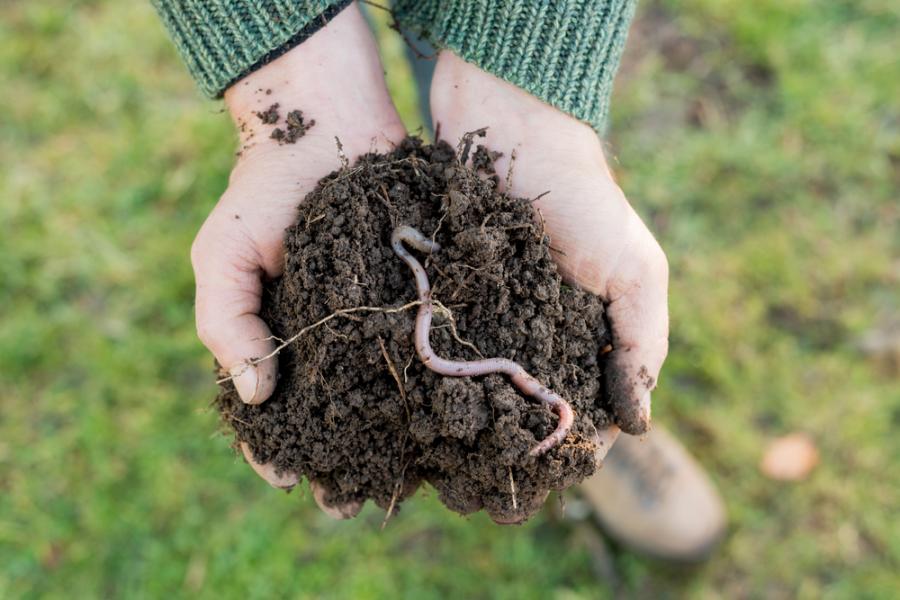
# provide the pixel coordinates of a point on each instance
(653, 497)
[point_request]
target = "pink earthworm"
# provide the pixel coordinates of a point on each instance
(527, 384)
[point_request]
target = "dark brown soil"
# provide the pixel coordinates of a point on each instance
(295, 128)
(341, 417)
(268, 116)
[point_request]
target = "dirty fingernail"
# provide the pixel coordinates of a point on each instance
(246, 382)
(347, 510)
(284, 481)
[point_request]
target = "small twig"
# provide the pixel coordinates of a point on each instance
(345, 174)
(471, 268)
(311, 221)
(393, 370)
(486, 219)
(539, 196)
(356, 281)
(405, 367)
(390, 510)
(385, 198)
(509, 171)
(228, 415)
(340, 148)
(543, 223)
(512, 488)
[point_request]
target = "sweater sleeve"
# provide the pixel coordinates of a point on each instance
(564, 52)
(221, 41)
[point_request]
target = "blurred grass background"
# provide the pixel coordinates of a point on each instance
(760, 141)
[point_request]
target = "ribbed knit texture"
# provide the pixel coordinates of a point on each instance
(221, 41)
(565, 52)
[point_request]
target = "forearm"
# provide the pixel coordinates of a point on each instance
(566, 53)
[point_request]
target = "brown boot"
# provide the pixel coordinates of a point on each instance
(653, 497)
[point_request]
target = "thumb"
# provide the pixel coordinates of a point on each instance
(228, 299)
(609, 251)
(638, 313)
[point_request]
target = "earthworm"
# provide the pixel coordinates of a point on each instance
(526, 383)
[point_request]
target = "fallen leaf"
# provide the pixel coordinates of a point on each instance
(790, 458)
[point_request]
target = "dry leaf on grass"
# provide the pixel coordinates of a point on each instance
(790, 458)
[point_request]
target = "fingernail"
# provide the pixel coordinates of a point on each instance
(340, 512)
(246, 381)
(285, 481)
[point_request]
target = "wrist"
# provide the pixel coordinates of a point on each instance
(565, 53)
(465, 97)
(335, 78)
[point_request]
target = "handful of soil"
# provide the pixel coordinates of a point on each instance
(356, 410)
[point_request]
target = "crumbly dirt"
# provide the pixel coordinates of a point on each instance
(356, 410)
(268, 116)
(295, 128)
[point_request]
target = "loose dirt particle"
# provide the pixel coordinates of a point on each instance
(270, 115)
(296, 128)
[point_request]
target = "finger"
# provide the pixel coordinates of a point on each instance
(628, 269)
(638, 313)
(348, 510)
(284, 481)
(228, 298)
(604, 440)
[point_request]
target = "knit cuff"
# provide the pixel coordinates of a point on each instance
(222, 41)
(564, 52)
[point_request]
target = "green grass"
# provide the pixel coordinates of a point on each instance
(760, 140)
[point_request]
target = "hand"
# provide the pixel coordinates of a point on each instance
(600, 244)
(336, 79)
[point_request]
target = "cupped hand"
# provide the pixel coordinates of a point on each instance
(335, 78)
(599, 242)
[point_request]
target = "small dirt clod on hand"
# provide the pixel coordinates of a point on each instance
(296, 128)
(268, 116)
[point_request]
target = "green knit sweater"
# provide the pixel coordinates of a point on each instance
(565, 52)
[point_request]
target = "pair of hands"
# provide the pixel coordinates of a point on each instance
(336, 78)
